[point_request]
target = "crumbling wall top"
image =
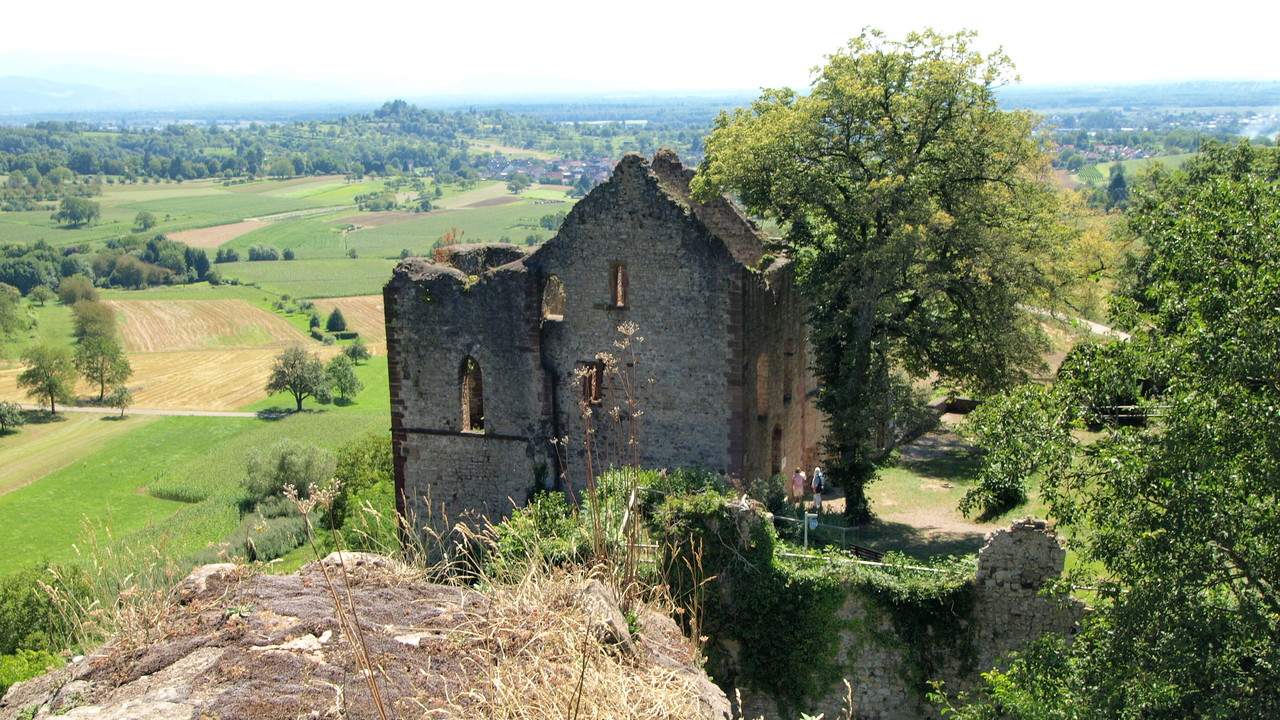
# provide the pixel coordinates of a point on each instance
(476, 258)
(1024, 556)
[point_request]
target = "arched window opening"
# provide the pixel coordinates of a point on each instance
(788, 368)
(762, 386)
(618, 284)
(775, 451)
(472, 396)
(554, 299)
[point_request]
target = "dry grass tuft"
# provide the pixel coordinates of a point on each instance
(532, 653)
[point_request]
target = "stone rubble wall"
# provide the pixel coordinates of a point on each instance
(1010, 611)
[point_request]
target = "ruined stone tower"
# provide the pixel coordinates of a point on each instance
(493, 352)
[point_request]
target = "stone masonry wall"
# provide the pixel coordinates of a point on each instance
(778, 384)
(637, 251)
(432, 313)
(1010, 611)
(679, 293)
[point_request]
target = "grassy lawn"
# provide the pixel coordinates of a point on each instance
(106, 484)
(48, 443)
(915, 505)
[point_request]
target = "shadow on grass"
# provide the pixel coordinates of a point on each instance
(114, 418)
(42, 417)
(958, 466)
(917, 542)
(277, 413)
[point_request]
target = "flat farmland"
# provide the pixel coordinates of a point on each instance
(205, 380)
(175, 325)
(212, 237)
(336, 277)
(364, 315)
(211, 354)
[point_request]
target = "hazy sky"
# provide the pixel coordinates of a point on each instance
(432, 46)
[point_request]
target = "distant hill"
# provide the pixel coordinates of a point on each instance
(1196, 94)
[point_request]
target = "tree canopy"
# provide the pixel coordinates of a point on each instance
(299, 373)
(50, 374)
(101, 360)
(918, 212)
(77, 211)
(1179, 514)
(336, 322)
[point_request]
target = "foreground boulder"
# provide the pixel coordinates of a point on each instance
(234, 644)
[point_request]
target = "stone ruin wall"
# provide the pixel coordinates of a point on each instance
(490, 322)
(1009, 612)
(681, 288)
(779, 386)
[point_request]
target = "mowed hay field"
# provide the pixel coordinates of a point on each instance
(197, 354)
(173, 325)
(212, 237)
(364, 314)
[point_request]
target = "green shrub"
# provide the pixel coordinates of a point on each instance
(11, 416)
(29, 616)
(361, 464)
(547, 530)
(287, 463)
(260, 538)
(24, 665)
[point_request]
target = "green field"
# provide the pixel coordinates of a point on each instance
(107, 486)
(1100, 173)
(314, 278)
(182, 206)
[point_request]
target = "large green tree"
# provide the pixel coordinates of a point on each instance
(299, 373)
(342, 377)
(77, 211)
(918, 212)
(1179, 515)
(50, 374)
(101, 360)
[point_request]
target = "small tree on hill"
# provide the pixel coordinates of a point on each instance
(357, 351)
(336, 323)
(299, 373)
(144, 221)
(72, 290)
(93, 319)
(76, 211)
(50, 374)
(40, 295)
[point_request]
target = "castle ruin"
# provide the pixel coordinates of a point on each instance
(494, 350)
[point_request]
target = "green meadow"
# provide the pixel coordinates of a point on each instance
(108, 487)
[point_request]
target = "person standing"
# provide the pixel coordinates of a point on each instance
(819, 486)
(797, 486)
